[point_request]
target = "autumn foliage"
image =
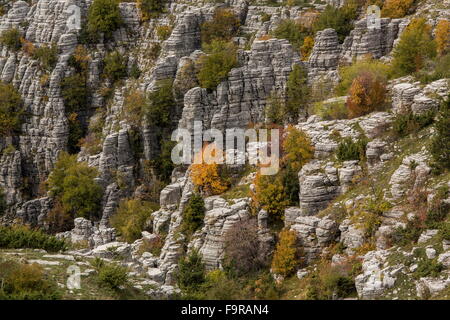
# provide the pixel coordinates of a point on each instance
(285, 259)
(396, 8)
(443, 37)
(366, 94)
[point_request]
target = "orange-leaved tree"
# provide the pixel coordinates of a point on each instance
(206, 173)
(286, 256)
(366, 94)
(443, 37)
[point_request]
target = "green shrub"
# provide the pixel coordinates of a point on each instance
(11, 109)
(104, 17)
(3, 204)
(150, 8)
(347, 74)
(440, 144)
(115, 66)
(349, 150)
(73, 183)
(426, 267)
(163, 32)
(407, 235)
(131, 217)
(292, 31)
(297, 92)
(193, 214)
(11, 39)
(439, 210)
(47, 56)
(163, 163)
(414, 48)
(327, 110)
(405, 124)
(75, 93)
(215, 66)
(435, 69)
(17, 237)
(112, 276)
(191, 272)
(160, 107)
(25, 282)
(223, 26)
(339, 19)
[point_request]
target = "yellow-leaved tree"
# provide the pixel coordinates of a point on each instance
(205, 172)
(286, 257)
(306, 48)
(396, 8)
(443, 37)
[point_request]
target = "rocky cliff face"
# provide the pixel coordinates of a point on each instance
(326, 186)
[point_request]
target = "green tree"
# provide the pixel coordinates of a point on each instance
(150, 8)
(11, 39)
(191, 272)
(440, 145)
(414, 47)
(193, 214)
(115, 66)
(340, 19)
(297, 92)
(11, 109)
(73, 183)
(285, 258)
(223, 26)
(104, 17)
(161, 103)
(215, 66)
(75, 93)
(292, 31)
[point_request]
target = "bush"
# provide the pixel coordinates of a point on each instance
(440, 144)
(297, 149)
(306, 48)
(75, 93)
(25, 282)
(435, 69)
(405, 124)
(115, 66)
(442, 38)
(193, 214)
(3, 204)
(439, 210)
(163, 32)
(222, 27)
(160, 107)
(339, 19)
(47, 56)
(409, 234)
(244, 252)
(348, 150)
(112, 276)
(11, 109)
(163, 163)
(215, 66)
(414, 47)
(396, 8)
(11, 39)
(73, 184)
(104, 17)
(285, 258)
(191, 272)
(292, 31)
(366, 95)
(150, 8)
(131, 217)
(331, 110)
(270, 195)
(297, 92)
(17, 237)
(347, 74)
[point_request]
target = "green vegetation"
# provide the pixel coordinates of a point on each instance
(150, 8)
(286, 256)
(25, 282)
(115, 66)
(47, 56)
(349, 150)
(11, 39)
(111, 275)
(11, 109)
(131, 217)
(193, 214)
(160, 107)
(17, 237)
(414, 47)
(440, 144)
(292, 31)
(215, 66)
(340, 19)
(191, 272)
(223, 26)
(297, 93)
(408, 123)
(73, 184)
(104, 17)
(331, 110)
